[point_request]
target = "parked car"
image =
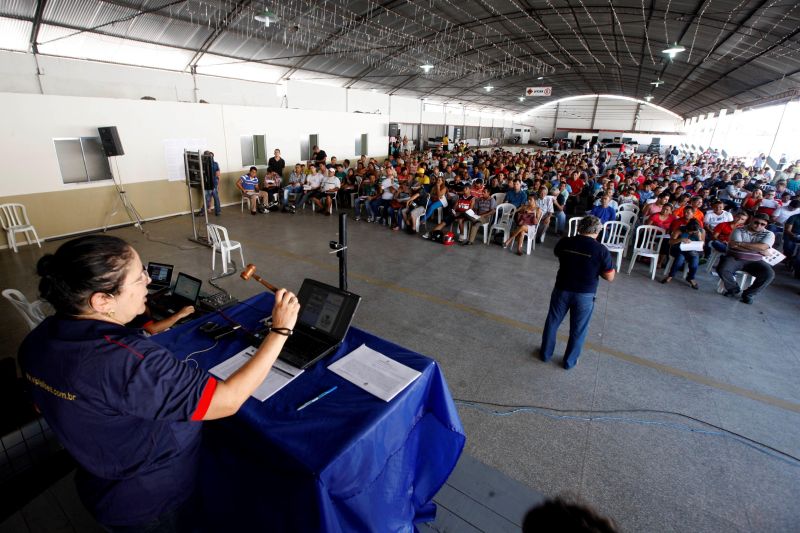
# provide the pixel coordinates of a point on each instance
(619, 149)
(545, 141)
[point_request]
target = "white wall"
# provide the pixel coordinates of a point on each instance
(405, 109)
(367, 102)
(30, 122)
(307, 95)
(74, 77)
(612, 114)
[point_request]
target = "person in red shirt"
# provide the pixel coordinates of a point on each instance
(576, 184)
(722, 232)
(688, 214)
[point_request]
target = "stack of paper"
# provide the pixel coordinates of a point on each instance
(279, 376)
(374, 372)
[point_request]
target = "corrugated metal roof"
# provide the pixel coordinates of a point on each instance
(732, 49)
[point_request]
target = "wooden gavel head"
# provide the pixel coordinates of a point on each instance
(248, 272)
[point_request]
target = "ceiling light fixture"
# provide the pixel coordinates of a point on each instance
(657, 83)
(488, 88)
(266, 17)
(674, 50)
(649, 98)
(540, 78)
(427, 67)
(521, 98)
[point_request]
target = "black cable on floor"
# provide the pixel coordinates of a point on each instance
(576, 415)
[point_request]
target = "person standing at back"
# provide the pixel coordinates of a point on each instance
(582, 260)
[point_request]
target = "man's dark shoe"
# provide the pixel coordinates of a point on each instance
(731, 293)
(747, 299)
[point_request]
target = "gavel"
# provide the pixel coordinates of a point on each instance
(250, 272)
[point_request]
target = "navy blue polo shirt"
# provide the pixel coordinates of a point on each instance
(125, 408)
(581, 260)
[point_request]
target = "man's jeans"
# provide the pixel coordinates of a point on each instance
(289, 190)
(580, 306)
(213, 193)
(760, 270)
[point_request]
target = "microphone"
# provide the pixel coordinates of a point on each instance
(250, 272)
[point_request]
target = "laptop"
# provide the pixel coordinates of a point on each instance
(160, 276)
(326, 313)
(185, 292)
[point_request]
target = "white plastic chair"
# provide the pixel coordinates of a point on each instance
(221, 242)
(572, 226)
(742, 278)
(715, 254)
(530, 236)
(14, 219)
(629, 208)
(628, 217)
(245, 201)
(499, 197)
(647, 244)
(32, 312)
(615, 238)
(504, 218)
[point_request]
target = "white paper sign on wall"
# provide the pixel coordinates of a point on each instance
(539, 91)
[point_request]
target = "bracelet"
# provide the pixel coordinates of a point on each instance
(282, 331)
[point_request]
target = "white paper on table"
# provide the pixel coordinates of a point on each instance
(774, 257)
(279, 376)
(374, 372)
(692, 246)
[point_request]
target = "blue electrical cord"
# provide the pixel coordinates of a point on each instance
(606, 416)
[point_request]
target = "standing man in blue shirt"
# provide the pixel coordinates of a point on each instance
(582, 260)
(214, 191)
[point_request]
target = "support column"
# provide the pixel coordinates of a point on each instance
(594, 112)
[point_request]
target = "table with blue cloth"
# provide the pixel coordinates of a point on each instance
(348, 462)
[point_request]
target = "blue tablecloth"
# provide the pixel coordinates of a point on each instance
(349, 462)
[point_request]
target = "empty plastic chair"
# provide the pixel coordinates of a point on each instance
(504, 218)
(14, 219)
(572, 226)
(615, 238)
(628, 217)
(32, 312)
(629, 208)
(647, 244)
(499, 197)
(219, 240)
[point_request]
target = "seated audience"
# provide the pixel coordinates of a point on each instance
(248, 186)
(525, 217)
(689, 231)
(746, 248)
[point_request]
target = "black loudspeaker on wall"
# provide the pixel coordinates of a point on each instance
(110, 141)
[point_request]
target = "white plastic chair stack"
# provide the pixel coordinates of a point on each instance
(32, 312)
(219, 240)
(615, 238)
(14, 219)
(646, 244)
(504, 218)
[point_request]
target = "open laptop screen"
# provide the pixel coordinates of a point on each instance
(160, 273)
(326, 309)
(187, 287)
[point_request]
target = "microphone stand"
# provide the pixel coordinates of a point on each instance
(340, 249)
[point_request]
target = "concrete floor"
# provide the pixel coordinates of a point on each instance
(479, 311)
